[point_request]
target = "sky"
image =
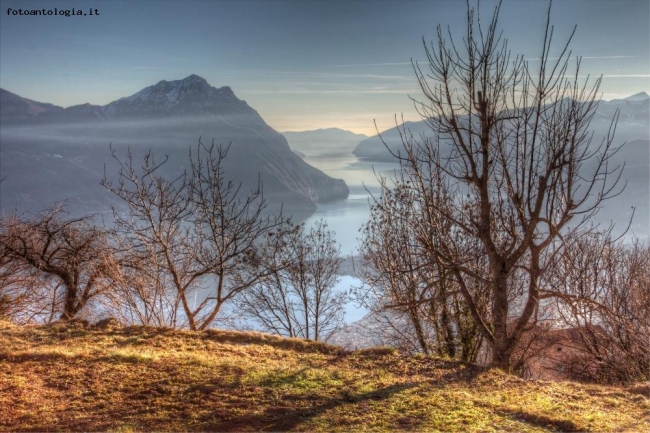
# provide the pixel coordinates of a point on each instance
(302, 65)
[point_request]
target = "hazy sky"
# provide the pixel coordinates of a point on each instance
(301, 64)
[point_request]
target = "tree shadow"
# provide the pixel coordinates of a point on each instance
(285, 418)
(534, 419)
(37, 357)
(461, 373)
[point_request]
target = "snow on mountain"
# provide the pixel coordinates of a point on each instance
(190, 96)
(169, 92)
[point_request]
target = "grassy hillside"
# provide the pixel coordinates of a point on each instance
(123, 379)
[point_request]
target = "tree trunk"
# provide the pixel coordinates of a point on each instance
(419, 332)
(501, 356)
(501, 345)
(70, 307)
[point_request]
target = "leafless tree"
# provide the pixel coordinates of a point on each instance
(512, 150)
(603, 288)
(297, 298)
(53, 263)
(21, 300)
(141, 292)
(405, 286)
(199, 230)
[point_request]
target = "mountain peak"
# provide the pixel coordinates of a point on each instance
(192, 95)
(641, 96)
(194, 79)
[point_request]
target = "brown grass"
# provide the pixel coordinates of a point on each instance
(133, 379)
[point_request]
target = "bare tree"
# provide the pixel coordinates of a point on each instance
(603, 288)
(199, 230)
(141, 292)
(61, 261)
(297, 298)
(23, 295)
(406, 287)
(512, 149)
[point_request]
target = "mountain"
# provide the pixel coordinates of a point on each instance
(633, 129)
(374, 148)
(17, 110)
(187, 97)
(632, 125)
(50, 153)
(323, 142)
(638, 97)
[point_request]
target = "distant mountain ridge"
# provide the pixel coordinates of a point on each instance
(71, 146)
(633, 128)
(634, 110)
(328, 141)
(637, 97)
(190, 96)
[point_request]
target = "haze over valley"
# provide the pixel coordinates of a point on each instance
(297, 91)
(51, 154)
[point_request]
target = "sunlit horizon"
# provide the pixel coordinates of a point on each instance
(301, 65)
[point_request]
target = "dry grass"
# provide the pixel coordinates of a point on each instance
(133, 379)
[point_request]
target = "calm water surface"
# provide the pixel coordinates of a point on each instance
(346, 217)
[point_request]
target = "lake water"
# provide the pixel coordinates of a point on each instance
(347, 217)
(344, 217)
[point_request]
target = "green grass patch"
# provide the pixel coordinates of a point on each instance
(79, 377)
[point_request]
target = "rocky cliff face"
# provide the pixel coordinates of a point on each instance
(44, 145)
(188, 97)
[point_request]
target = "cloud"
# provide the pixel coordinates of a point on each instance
(609, 57)
(354, 65)
(626, 76)
(373, 91)
(364, 76)
(326, 75)
(588, 57)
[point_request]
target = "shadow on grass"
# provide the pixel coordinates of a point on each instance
(534, 419)
(462, 373)
(49, 357)
(37, 357)
(285, 418)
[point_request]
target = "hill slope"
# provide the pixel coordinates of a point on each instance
(78, 378)
(633, 128)
(50, 153)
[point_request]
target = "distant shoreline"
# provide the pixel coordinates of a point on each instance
(348, 265)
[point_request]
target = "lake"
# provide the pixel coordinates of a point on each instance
(347, 217)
